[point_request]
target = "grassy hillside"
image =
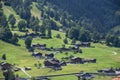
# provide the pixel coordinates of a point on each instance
(35, 11)
(9, 10)
(106, 57)
(99, 14)
(15, 54)
(54, 42)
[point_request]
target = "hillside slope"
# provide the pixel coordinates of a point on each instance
(100, 16)
(100, 13)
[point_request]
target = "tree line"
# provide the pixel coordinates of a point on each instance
(49, 18)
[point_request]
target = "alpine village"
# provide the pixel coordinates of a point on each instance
(59, 39)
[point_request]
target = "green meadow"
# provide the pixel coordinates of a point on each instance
(107, 57)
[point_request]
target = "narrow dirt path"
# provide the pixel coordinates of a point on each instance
(23, 70)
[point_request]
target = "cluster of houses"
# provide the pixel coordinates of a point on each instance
(76, 47)
(51, 62)
(110, 71)
(43, 47)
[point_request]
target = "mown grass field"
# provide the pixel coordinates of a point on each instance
(105, 56)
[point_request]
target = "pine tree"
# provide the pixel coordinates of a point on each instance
(15, 39)
(28, 42)
(65, 41)
(22, 25)
(4, 56)
(49, 34)
(12, 20)
(9, 75)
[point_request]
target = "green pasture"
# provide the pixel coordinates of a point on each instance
(106, 57)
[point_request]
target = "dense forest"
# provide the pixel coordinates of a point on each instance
(99, 15)
(81, 19)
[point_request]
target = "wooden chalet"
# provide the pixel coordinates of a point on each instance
(85, 76)
(83, 44)
(77, 60)
(5, 65)
(66, 49)
(110, 71)
(90, 60)
(37, 54)
(49, 56)
(39, 46)
(53, 63)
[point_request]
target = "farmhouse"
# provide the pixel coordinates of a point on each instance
(33, 35)
(90, 60)
(77, 60)
(37, 54)
(42, 78)
(83, 44)
(85, 76)
(61, 49)
(53, 63)
(39, 46)
(66, 49)
(49, 56)
(5, 65)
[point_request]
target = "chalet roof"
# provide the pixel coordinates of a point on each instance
(38, 44)
(5, 63)
(83, 43)
(86, 75)
(53, 61)
(76, 58)
(36, 53)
